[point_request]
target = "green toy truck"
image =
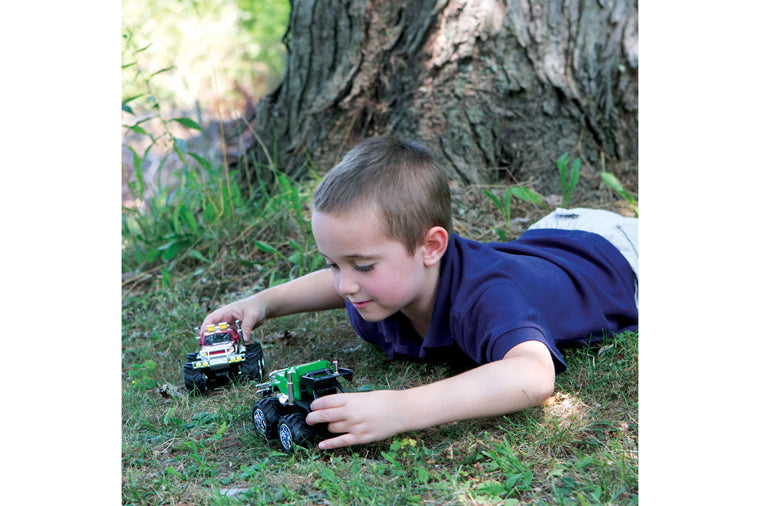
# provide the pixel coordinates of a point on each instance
(281, 414)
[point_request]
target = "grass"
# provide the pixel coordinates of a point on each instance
(578, 448)
(214, 238)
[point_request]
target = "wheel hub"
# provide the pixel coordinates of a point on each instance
(286, 437)
(259, 421)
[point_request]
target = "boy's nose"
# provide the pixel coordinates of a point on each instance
(347, 285)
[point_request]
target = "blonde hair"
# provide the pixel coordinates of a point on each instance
(400, 178)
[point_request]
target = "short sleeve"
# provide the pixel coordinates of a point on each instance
(499, 345)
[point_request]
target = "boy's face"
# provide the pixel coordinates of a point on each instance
(373, 272)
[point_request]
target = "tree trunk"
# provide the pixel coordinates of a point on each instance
(499, 89)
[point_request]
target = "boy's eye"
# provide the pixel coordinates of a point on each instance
(359, 268)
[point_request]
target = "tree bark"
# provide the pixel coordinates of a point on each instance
(499, 89)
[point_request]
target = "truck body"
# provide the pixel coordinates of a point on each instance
(287, 398)
(222, 356)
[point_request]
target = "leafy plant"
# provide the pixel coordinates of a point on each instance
(568, 180)
(142, 376)
(516, 476)
(504, 205)
(610, 180)
(179, 223)
(175, 220)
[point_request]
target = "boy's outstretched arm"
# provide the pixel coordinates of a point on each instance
(523, 378)
(312, 292)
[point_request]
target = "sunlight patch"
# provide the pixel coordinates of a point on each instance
(566, 408)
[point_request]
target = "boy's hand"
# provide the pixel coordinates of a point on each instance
(362, 417)
(312, 292)
(523, 378)
(250, 314)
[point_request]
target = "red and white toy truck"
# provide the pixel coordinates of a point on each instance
(223, 355)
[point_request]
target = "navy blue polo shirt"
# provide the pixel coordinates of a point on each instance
(559, 287)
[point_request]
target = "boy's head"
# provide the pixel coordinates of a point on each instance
(400, 180)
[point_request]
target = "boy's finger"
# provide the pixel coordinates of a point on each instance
(324, 415)
(329, 401)
(341, 441)
(246, 328)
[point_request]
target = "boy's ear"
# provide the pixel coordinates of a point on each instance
(434, 246)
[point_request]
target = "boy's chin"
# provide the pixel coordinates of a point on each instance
(374, 316)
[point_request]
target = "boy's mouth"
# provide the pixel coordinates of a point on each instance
(360, 305)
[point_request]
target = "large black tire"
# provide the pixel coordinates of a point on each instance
(252, 368)
(195, 380)
(294, 431)
(265, 415)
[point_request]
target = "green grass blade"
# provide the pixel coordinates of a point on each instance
(527, 195)
(136, 128)
(495, 200)
(508, 207)
(205, 164)
(193, 253)
(614, 183)
(575, 174)
(176, 222)
(124, 104)
(165, 69)
(188, 123)
(137, 165)
(189, 219)
(138, 51)
(610, 180)
(266, 248)
(562, 167)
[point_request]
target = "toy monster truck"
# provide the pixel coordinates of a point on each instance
(222, 356)
(287, 399)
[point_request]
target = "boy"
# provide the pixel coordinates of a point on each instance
(382, 220)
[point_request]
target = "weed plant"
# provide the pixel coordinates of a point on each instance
(609, 179)
(568, 180)
(504, 205)
(202, 218)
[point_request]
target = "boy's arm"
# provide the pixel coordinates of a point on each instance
(312, 292)
(523, 378)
